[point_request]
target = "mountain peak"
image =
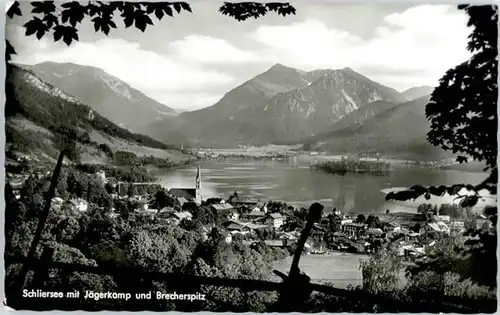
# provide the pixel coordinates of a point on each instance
(281, 67)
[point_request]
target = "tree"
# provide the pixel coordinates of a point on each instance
(381, 272)
(373, 221)
(360, 218)
(463, 109)
(63, 20)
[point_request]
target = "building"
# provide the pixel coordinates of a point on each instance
(391, 227)
(237, 227)
(260, 206)
(276, 220)
(444, 218)
(253, 215)
(352, 229)
(228, 237)
(189, 193)
(435, 228)
(79, 204)
(57, 202)
(276, 243)
(101, 175)
(232, 213)
(247, 202)
(181, 215)
(457, 225)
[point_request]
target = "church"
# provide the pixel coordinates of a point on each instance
(189, 193)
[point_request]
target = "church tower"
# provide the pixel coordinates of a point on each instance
(198, 186)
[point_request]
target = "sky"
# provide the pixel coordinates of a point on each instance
(191, 60)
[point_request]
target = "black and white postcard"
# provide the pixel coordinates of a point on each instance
(303, 156)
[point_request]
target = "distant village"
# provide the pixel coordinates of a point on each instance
(278, 224)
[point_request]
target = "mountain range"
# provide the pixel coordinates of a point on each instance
(278, 106)
(108, 95)
(398, 130)
(37, 113)
(417, 92)
(337, 110)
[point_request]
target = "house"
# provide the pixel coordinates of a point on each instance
(143, 211)
(182, 201)
(276, 220)
(181, 215)
(443, 218)
(245, 201)
(260, 206)
(221, 206)
(352, 229)
(435, 228)
(186, 193)
(79, 204)
(232, 213)
(391, 227)
(317, 232)
(375, 231)
(276, 243)
(228, 237)
(253, 215)
(57, 202)
(457, 225)
(237, 227)
(101, 175)
(483, 224)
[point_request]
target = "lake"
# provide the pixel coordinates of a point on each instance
(296, 183)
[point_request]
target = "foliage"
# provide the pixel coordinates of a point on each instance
(373, 221)
(449, 209)
(360, 218)
(354, 166)
(462, 110)
(381, 272)
(432, 284)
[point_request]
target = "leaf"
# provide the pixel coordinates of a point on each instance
(40, 33)
(35, 25)
(185, 6)
(9, 51)
(57, 34)
(177, 7)
(51, 20)
(44, 7)
(168, 10)
(469, 201)
(159, 13)
(67, 33)
(128, 21)
(14, 10)
(461, 159)
(97, 23)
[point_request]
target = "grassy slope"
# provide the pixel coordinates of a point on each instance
(35, 110)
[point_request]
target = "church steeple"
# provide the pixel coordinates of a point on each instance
(198, 186)
(198, 178)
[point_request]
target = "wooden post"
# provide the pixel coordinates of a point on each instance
(315, 212)
(42, 220)
(42, 270)
(296, 286)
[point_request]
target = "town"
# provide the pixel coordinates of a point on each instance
(271, 222)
